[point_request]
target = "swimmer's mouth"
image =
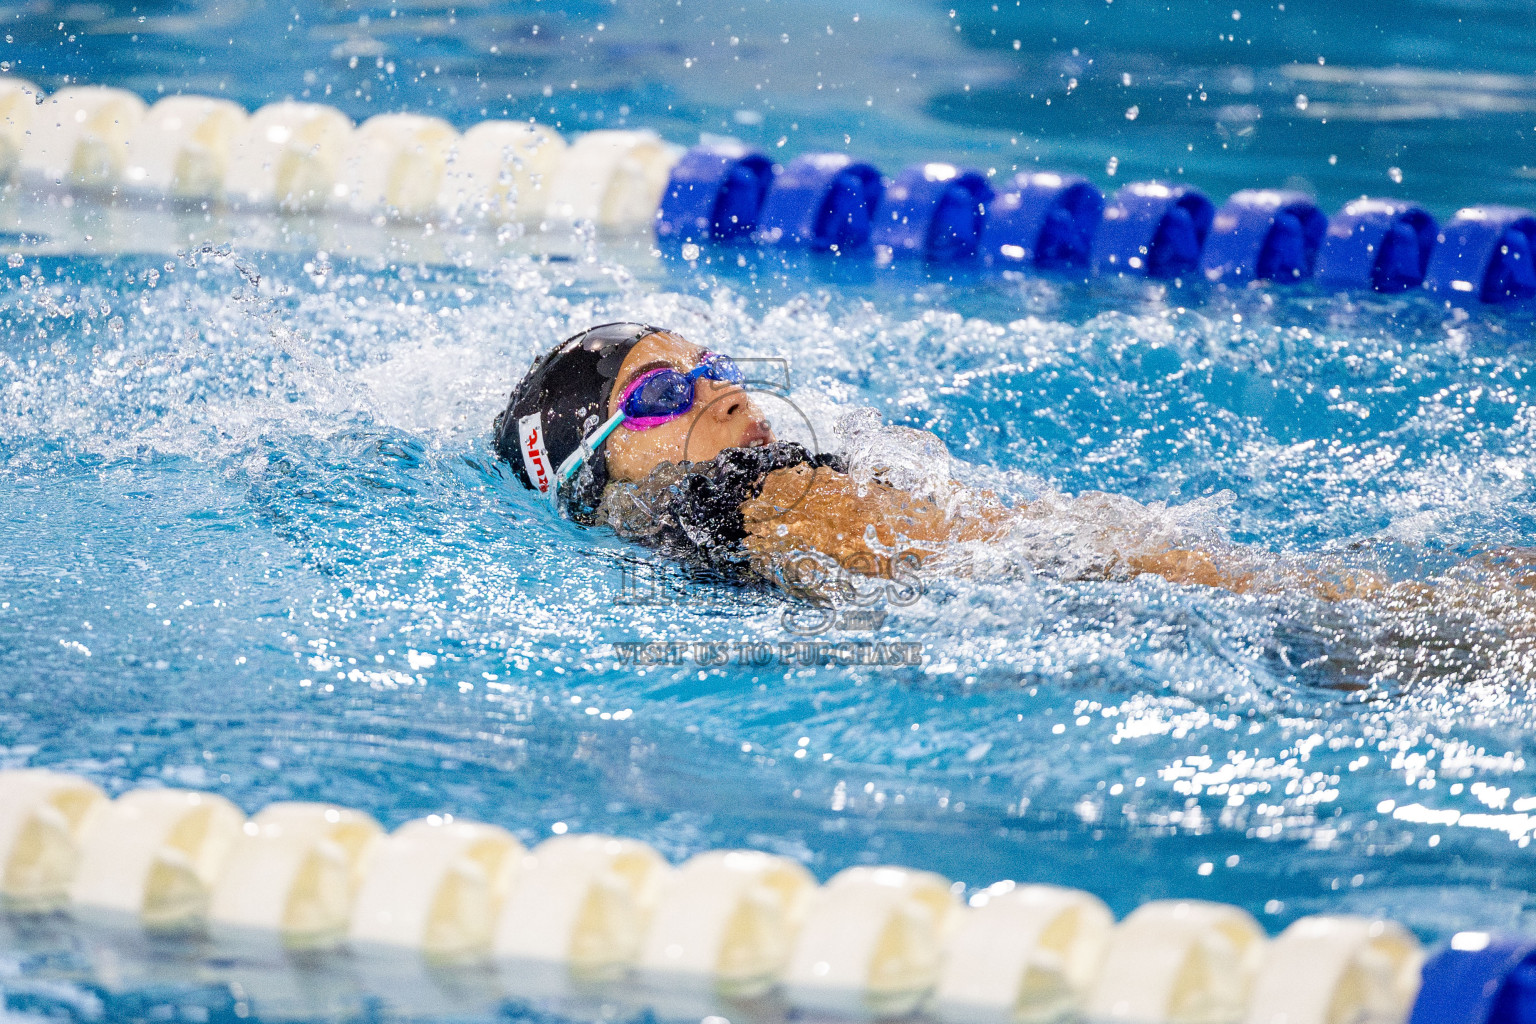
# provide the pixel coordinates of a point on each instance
(756, 436)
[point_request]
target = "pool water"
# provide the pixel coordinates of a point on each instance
(253, 538)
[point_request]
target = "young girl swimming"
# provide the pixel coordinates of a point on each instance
(635, 427)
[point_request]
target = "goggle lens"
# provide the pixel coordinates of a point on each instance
(665, 394)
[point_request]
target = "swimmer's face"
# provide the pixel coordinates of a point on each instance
(722, 415)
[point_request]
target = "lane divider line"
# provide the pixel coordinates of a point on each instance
(585, 910)
(309, 158)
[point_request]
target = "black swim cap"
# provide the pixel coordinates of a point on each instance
(562, 399)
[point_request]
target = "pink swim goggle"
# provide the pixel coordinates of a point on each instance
(661, 395)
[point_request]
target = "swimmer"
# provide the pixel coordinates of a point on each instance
(635, 427)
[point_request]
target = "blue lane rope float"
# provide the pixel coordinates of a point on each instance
(1380, 244)
(715, 194)
(1043, 220)
(1486, 252)
(1479, 979)
(932, 211)
(1264, 235)
(821, 202)
(1153, 229)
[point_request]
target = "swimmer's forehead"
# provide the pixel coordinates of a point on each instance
(663, 347)
(654, 350)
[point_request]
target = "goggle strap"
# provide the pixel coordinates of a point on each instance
(583, 452)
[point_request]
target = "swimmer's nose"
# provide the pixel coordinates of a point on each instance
(728, 400)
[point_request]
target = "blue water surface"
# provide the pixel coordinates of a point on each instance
(253, 538)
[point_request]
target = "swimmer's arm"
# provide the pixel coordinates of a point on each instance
(1185, 566)
(823, 510)
(1249, 571)
(816, 508)
(804, 508)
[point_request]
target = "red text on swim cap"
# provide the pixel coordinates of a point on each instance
(530, 431)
